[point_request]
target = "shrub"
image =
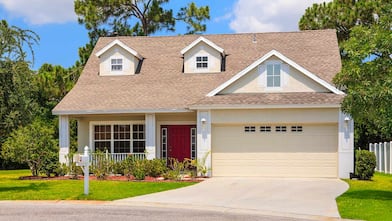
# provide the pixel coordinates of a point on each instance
(155, 167)
(365, 164)
(102, 166)
(139, 169)
(177, 168)
(34, 145)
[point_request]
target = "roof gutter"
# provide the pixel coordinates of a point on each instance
(141, 111)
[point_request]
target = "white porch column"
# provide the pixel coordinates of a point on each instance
(204, 139)
(346, 145)
(63, 138)
(150, 136)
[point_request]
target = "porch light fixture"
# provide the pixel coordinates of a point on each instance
(203, 120)
(346, 120)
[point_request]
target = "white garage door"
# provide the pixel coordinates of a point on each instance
(275, 150)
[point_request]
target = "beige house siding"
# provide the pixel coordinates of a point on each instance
(291, 81)
(202, 49)
(130, 62)
(270, 116)
(311, 153)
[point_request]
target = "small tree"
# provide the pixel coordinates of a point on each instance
(33, 144)
(365, 164)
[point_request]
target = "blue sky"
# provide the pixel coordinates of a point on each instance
(61, 35)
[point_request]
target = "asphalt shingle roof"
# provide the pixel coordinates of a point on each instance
(161, 85)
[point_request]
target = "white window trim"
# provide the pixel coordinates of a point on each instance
(164, 150)
(202, 62)
(193, 150)
(282, 75)
(111, 123)
(201, 70)
(111, 64)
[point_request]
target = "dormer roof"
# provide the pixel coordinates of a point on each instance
(206, 41)
(120, 44)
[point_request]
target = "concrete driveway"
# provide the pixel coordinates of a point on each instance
(306, 198)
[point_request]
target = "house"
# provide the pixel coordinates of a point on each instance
(257, 104)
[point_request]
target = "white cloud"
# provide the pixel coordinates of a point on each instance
(269, 16)
(38, 12)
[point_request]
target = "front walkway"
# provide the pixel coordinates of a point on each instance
(310, 198)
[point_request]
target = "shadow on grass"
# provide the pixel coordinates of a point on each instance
(30, 187)
(370, 194)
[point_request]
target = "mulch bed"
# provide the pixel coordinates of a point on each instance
(114, 178)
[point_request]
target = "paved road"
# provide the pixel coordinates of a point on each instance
(77, 211)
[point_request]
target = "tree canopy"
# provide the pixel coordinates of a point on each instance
(13, 40)
(367, 75)
(134, 18)
(34, 145)
(364, 30)
(138, 17)
(341, 15)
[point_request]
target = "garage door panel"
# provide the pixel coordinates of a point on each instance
(235, 153)
(234, 139)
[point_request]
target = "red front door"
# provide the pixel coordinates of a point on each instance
(179, 141)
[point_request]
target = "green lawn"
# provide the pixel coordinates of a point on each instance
(367, 200)
(11, 188)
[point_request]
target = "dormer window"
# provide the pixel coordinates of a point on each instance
(273, 75)
(117, 64)
(201, 62)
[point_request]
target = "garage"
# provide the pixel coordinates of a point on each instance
(275, 150)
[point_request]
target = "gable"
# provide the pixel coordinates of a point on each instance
(201, 49)
(128, 64)
(292, 80)
(252, 78)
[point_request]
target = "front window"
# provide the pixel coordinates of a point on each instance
(119, 138)
(273, 75)
(201, 62)
(102, 137)
(117, 64)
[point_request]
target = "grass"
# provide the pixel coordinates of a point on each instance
(11, 188)
(367, 200)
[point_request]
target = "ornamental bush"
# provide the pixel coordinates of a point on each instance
(365, 164)
(155, 167)
(33, 145)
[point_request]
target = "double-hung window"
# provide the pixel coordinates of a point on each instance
(119, 137)
(201, 62)
(117, 64)
(274, 75)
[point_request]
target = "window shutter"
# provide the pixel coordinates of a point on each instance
(262, 79)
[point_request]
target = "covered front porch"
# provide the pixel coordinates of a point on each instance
(179, 135)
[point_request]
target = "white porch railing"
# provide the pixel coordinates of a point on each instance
(383, 152)
(116, 157)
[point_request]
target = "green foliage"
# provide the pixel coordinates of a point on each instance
(177, 168)
(367, 200)
(34, 145)
(341, 15)
(17, 104)
(201, 167)
(367, 77)
(145, 16)
(102, 165)
(139, 169)
(14, 40)
(14, 189)
(155, 167)
(364, 34)
(134, 18)
(365, 164)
